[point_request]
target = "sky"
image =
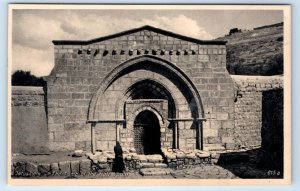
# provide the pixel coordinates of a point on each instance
(34, 30)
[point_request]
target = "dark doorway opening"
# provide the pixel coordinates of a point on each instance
(146, 133)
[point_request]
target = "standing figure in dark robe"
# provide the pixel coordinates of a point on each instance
(118, 162)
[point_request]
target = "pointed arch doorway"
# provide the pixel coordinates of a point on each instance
(147, 133)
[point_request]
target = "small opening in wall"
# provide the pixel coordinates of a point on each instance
(96, 52)
(130, 52)
(88, 51)
(154, 52)
(105, 52)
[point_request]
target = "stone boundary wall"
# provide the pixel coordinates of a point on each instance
(103, 162)
(249, 112)
(29, 120)
(27, 96)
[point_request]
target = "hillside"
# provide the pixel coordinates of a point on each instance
(255, 52)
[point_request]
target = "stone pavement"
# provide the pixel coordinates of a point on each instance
(204, 172)
(200, 172)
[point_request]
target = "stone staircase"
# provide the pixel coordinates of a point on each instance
(152, 165)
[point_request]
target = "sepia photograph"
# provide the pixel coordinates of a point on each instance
(149, 94)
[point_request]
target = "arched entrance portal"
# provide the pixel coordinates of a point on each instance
(146, 133)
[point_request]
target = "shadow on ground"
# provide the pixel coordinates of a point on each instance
(250, 164)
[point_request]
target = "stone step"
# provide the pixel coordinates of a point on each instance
(146, 165)
(160, 165)
(155, 171)
(152, 165)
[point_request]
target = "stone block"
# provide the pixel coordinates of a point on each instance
(226, 132)
(20, 168)
(180, 155)
(214, 147)
(80, 145)
(54, 168)
(141, 158)
(85, 166)
(65, 168)
(77, 153)
(44, 168)
(146, 165)
(61, 146)
(32, 168)
(210, 132)
(170, 156)
(213, 140)
(231, 146)
(55, 127)
(186, 133)
(228, 139)
(154, 158)
(102, 145)
(155, 171)
(214, 124)
(102, 159)
(222, 116)
(228, 124)
(203, 58)
(103, 166)
(160, 165)
(74, 167)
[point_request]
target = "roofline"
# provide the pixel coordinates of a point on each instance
(146, 27)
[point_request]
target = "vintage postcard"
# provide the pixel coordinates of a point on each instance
(149, 94)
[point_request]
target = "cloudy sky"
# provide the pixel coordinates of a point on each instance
(33, 30)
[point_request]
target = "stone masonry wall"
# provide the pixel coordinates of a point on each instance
(29, 120)
(80, 69)
(249, 108)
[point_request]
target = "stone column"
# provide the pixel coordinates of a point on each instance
(93, 126)
(199, 128)
(117, 132)
(176, 135)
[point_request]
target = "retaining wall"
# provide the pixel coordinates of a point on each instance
(29, 120)
(256, 100)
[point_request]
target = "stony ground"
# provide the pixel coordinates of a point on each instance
(234, 171)
(204, 171)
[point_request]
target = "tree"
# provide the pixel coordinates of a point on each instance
(25, 78)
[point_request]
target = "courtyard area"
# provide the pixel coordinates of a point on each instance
(43, 166)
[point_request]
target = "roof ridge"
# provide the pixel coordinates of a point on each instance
(145, 27)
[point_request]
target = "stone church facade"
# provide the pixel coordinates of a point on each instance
(146, 88)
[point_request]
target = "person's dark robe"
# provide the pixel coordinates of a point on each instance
(118, 162)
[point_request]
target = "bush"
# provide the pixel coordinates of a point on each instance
(25, 78)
